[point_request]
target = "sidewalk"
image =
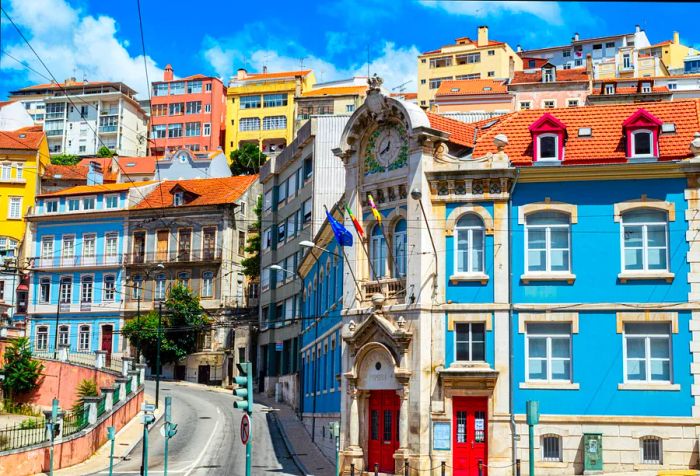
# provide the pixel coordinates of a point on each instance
(127, 438)
(305, 454)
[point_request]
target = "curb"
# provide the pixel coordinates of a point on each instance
(133, 445)
(285, 439)
(210, 388)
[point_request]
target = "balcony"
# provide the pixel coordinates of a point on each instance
(208, 255)
(393, 289)
(107, 129)
(54, 132)
(60, 262)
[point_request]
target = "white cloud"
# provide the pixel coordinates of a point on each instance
(72, 43)
(549, 11)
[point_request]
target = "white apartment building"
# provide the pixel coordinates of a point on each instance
(574, 54)
(81, 117)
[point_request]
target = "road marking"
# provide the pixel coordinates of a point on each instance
(201, 455)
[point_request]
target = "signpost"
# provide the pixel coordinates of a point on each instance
(245, 429)
(147, 418)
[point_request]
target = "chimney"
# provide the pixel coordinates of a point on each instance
(511, 67)
(576, 37)
(168, 73)
(589, 65)
(637, 29)
(482, 36)
(241, 73)
(676, 38)
(264, 69)
(94, 176)
(518, 49)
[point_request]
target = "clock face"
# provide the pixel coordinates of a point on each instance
(389, 145)
(387, 149)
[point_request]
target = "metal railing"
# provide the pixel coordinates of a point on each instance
(114, 363)
(21, 435)
(115, 395)
(127, 387)
(173, 256)
(73, 422)
(77, 261)
(101, 405)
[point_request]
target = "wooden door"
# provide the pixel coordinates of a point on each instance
(162, 245)
(383, 438)
(209, 243)
(139, 247)
(184, 244)
(469, 436)
(106, 344)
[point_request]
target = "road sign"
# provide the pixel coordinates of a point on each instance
(148, 407)
(279, 346)
(245, 428)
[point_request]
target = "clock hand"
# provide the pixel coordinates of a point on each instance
(385, 148)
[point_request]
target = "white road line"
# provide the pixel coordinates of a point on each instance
(201, 455)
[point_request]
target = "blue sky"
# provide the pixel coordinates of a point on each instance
(100, 39)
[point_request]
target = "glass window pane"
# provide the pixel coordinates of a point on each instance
(560, 260)
(656, 235)
(633, 236)
(560, 238)
(536, 261)
(471, 220)
(656, 258)
(537, 369)
(642, 143)
(635, 347)
(549, 328)
(645, 328)
(633, 259)
(659, 348)
(536, 239)
(548, 218)
(560, 348)
(561, 369)
(660, 370)
(548, 147)
(478, 351)
(538, 347)
(636, 370)
(644, 216)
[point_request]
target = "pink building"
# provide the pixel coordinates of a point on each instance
(187, 112)
(548, 87)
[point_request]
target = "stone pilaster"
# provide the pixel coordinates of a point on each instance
(692, 216)
(90, 408)
(108, 392)
(126, 365)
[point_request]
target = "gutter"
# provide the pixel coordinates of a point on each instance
(511, 379)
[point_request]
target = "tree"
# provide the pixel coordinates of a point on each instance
(64, 159)
(182, 321)
(247, 160)
(251, 264)
(22, 373)
(104, 152)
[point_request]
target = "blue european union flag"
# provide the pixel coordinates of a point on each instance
(342, 235)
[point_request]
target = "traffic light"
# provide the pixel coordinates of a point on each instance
(245, 387)
(170, 429)
(55, 429)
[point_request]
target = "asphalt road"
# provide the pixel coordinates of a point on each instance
(208, 440)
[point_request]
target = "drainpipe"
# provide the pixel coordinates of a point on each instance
(511, 381)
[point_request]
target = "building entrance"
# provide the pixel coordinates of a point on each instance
(469, 436)
(383, 438)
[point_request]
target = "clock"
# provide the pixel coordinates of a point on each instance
(387, 149)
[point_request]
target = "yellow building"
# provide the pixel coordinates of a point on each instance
(466, 59)
(260, 108)
(335, 97)
(671, 52)
(630, 63)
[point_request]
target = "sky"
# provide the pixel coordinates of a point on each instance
(100, 40)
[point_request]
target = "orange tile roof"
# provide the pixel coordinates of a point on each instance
(663, 43)
(562, 75)
(281, 74)
(91, 189)
(27, 138)
(335, 91)
(137, 165)
(214, 191)
(606, 144)
(629, 90)
(462, 87)
(105, 162)
(404, 95)
(65, 172)
(460, 132)
(67, 84)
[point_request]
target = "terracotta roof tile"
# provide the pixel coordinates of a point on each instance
(137, 165)
(90, 189)
(620, 90)
(335, 91)
(65, 172)
(27, 138)
(463, 87)
(562, 75)
(214, 191)
(461, 133)
(606, 144)
(278, 75)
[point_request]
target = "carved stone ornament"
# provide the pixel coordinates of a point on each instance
(375, 82)
(695, 146)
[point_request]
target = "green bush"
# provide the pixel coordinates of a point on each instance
(30, 424)
(16, 408)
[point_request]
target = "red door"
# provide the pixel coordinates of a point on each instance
(383, 438)
(106, 343)
(469, 436)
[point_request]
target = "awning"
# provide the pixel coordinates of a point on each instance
(23, 287)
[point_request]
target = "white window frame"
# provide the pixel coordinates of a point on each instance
(109, 294)
(548, 357)
(159, 287)
(73, 204)
(556, 157)
(110, 197)
(645, 244)
(646, 87)
(400, 255)
(207, 288)
(206, 129)
(548, 245)
(178, 199)
(84, 344)
(45, 281)
(43, 342)
(379, 263)
(51, 202)
(572, 102)
(633, 140)
(658, 441)
(470, 247)
(470, 342)
(65, 290)
(609, 89)
(68, 251)
(61, 334)
(647, 355)
(87, 288)
(545, 101)
(11, 204)
(525, 105)
(84, 200)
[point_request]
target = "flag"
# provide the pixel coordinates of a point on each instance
(356, 224)
(342, 236)
(375, 212)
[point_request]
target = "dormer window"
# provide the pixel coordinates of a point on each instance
(548, 75)
(642, 141)
(642, 133)
(547, 147)
(646, 87)
(609, 89)
(548, 136)
(178, 199)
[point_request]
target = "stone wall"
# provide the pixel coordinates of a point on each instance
(323, 438)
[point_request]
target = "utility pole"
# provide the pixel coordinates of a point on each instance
(110, 437)
(147, 418)
(160, 319)
(169, 430)
(53, 431)
(245, 391)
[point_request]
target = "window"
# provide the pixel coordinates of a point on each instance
(572, 102)
(137, 288)
(647, 348)
(282, 192)
(42, 338)
(642, 143)
(250, 102)
(207, 284)
(265, 281)
(158, 110)
(672, 86)
(548, 75)
(547, 243)
(435, 82)
(86, 289)
(65, 289)
(159, 291)
(64, 335)
(400, 255)
(566, 53)
(19, 170)
(249, 124)
(469, 76)
(469, 58)
(207, 129)
(651, 450)
(548, 147)
(281, 230)
(646, 87)
(174, 130)
(349, 108)
(73, 204)
(177, 88)
(267, 238)
(551, 448)
(88, 203)
(549, 104)
(274, 100)
(525, 105)
(491, 74)
(208, 87)
(207, 108)
(610, 44)
(14, 211)
(578, 62)
(84, 338)
(109, 288)
(626, 61)
(548, 352)
(644, 240)
(308, 169)
(89, 248)
(492, 52)
(441, 62)
(160, 89)
(44, 290)
(192, 129)
(111, 201)
(46, 250)
(241, 243)
(306, 210)
(267, 200)
(159, 132)
(470, 341)
(378, 252)
(68, 250)
(274, 122)
(178, 199)
(566, 66)
(292, 185)
(51, 206)
(193, 107)
(469, 245)
(194, 87)
(176, 109)
(609, 89)
(183, 279)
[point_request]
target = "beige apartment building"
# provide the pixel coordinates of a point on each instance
(465, 59)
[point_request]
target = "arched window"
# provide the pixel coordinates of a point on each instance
(551, 448)
(469, 244)
(65, 289)
(159, 291)
(378, 252)
(183, 278)
(84, 338)
(547, 242)
(42, 338)
(400, 254)
(64, 335)
(207, 284)
(645, 240)
(86, 283)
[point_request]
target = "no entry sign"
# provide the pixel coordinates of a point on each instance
(245, 429)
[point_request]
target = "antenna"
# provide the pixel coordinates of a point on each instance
(367, 60)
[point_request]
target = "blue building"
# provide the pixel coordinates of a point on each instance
(321, 270)
(76, 292)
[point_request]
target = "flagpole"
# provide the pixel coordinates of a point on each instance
(362, 245)
(388, 248)
(347, 262)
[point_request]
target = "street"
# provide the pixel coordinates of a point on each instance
(207, 440)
